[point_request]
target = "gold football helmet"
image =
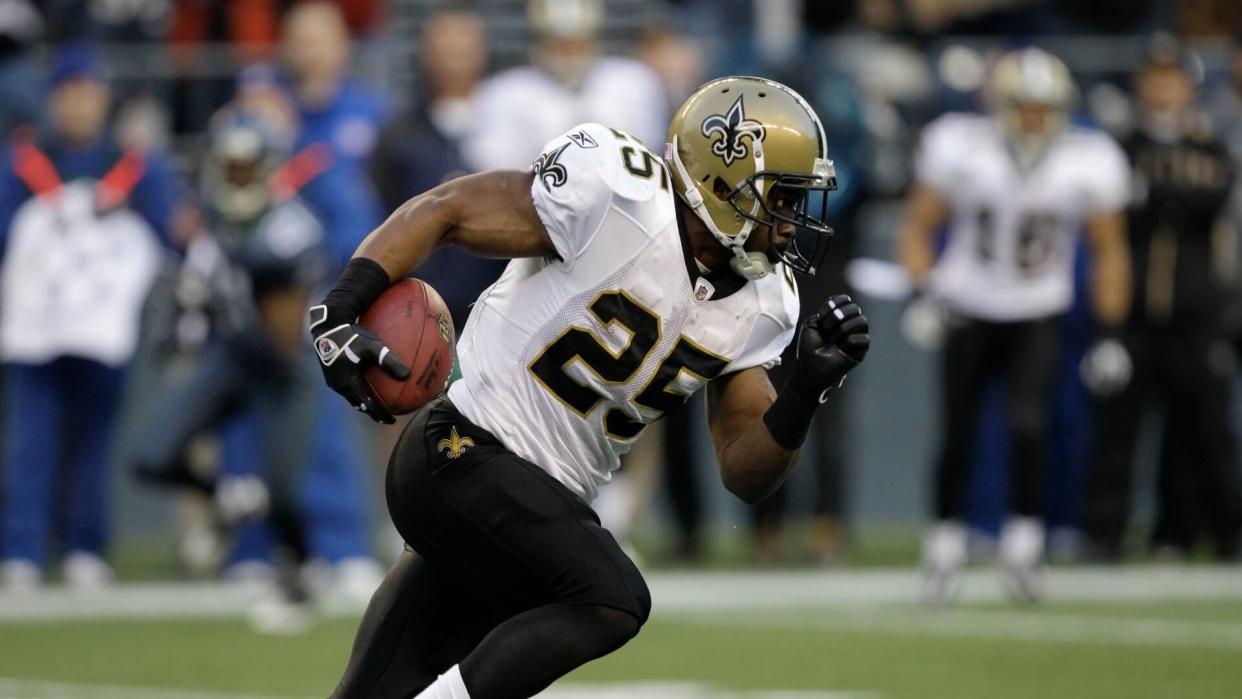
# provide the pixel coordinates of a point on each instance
(1031, 92)
(747, 152)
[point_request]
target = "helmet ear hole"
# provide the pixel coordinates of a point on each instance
(721, 189)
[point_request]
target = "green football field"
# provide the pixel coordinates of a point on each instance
(1132, 633)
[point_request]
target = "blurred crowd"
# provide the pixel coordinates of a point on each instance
(180, 177)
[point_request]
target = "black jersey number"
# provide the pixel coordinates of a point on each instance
(610, 307)
(1036, 234)
(643, 327)
(659, 394)
(639, 161)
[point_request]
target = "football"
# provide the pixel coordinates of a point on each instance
(412, 320)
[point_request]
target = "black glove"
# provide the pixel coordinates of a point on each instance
(829, 344)
(345, 349)
(345, 352)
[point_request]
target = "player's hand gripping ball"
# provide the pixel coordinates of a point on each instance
(413, 321)
(396, 358)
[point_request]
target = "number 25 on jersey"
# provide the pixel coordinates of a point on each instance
(658, 395)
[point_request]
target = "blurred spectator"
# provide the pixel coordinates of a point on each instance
(1014, 189)
(81, 221)
(1224, 107)
(423, 148)
(21, 88)
(1208, 17)
(339, 121)
(1183, 177)
(677, 61)
(233, 32)
(567, 83)
(249, 27)
(337, 111)
(249, 278)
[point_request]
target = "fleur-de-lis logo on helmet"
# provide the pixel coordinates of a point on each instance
(733, 128)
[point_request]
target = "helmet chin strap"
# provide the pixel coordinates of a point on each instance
(750, 265)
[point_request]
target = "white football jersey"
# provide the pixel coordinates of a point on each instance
(566, 359)
(1010, 249)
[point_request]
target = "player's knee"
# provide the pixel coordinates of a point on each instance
(641, 603)
(615, 627)
(636, 598)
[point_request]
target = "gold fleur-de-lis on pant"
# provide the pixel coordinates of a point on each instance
(455, 445)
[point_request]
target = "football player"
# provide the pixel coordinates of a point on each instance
(1015, 188)
(635, 281)
(246, 283)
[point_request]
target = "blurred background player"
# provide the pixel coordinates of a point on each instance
(82, 223)
(250, 276)
(1183, 257)
(568, 82)
(1014, 188)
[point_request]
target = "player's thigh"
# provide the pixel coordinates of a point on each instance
(420, 622)
(503, 520)
(1033, 357)
(965, 367)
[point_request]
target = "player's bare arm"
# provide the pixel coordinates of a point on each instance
(926, 211)
(752, 463)
(756, 431)
(1110, 268)
(1107, 367)
(489, 214)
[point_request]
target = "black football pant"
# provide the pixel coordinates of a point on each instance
(682, 426)
(1024, 356)
(1191, 373)
(508, 573)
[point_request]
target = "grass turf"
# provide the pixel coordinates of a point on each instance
(822, 649)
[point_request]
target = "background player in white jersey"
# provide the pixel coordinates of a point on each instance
(635, 281)
(1015, 188)
(568, 82)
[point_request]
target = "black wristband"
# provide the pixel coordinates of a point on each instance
(789, 417)
(360, 284)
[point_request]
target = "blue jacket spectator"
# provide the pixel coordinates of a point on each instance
(336, 110)
(81, 224)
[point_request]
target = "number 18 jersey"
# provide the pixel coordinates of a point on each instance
(1012, 235)
(566, 359)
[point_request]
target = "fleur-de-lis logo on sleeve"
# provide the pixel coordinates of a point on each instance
(548, 170)
(732, 130)
(455, 445)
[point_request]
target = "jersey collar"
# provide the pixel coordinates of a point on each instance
(724, 284)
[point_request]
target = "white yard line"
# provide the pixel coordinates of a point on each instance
(30, 689)
(672, 592)
(35, 689)
(1042, 627)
